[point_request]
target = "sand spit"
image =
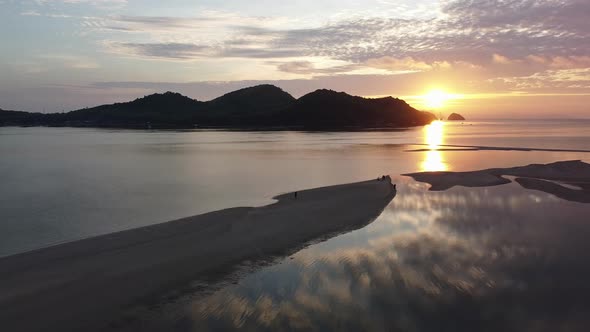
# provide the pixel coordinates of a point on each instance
(446, 180)
(446, 147)
(83, 285)
(581, 196)
(542, 177)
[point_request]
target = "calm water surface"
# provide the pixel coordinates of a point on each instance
(479, 259)
(484, 259)
(62, 184)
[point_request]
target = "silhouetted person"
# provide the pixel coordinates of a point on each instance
(295, 194)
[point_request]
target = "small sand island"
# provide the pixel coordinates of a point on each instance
(569, 180)
(77, 286)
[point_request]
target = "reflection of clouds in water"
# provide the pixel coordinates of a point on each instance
(487, 259)
(361, 289)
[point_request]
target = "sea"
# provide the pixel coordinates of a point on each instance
(465, 259)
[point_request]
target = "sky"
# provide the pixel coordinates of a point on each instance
(488, 58)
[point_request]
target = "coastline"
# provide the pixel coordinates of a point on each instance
(85, 284)
(230, 128)
(553, 178)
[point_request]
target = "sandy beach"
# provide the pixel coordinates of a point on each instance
(83, 285)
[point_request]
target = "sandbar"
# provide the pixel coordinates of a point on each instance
(82, 285)
(553, 178)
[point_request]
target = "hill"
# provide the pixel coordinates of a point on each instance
(260, 106)
(255, 100)
(166, 110)
(455, 117)
(17, 118)
(327, 108)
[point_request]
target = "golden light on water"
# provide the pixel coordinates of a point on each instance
(434, 134)
(433, 162)
(434, 137)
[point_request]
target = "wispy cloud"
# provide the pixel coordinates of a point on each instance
(30, 13)
(70, 61)
(170, 51)
(402, 48)
(489, 32)
(103, 4)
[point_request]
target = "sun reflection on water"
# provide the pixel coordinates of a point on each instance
(434, 137)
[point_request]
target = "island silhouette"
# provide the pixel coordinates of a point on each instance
(456, 117)
(262, 106)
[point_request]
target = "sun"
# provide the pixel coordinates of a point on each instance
(435, 98)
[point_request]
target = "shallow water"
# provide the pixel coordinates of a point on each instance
(482, 259)
(62, 184)
(467, 259)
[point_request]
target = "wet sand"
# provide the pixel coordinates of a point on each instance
(447, 147)
(542, 177)
(84, 285)
(581, 195)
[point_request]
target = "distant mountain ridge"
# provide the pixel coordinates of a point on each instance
(261, 106)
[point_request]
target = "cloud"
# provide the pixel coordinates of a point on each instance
(455, 37)
(405, 64)
(70, 61)
(523, 37)
(552, 80)
(468, 46)
(188, 51)
(500, 59)
(102, 4)
(206, 22)
(30, 13)
(154, 23)
(322, 66)
(172, 51)
(569, 62)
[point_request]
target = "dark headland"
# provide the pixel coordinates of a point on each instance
(263, 106)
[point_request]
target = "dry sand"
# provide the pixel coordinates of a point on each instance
(542, 177)
(81, 286)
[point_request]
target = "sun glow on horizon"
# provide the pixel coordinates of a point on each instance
(435, 99)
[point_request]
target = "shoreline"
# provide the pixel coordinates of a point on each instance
(230, 128)
(453, 147)
(94, 279)
(554, 178)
